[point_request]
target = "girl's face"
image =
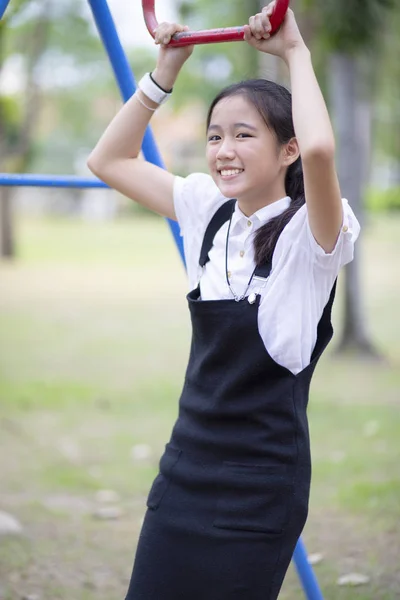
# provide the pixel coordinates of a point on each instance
(243, 155)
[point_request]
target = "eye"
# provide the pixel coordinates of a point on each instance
(214, 138)
(243, 135)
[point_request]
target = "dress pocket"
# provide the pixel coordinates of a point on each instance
(160, 484)
(253, 498)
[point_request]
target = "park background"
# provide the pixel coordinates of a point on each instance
(94, 330)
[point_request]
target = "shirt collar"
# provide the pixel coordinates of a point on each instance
(260, 217)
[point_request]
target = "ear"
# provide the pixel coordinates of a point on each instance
(290, 152)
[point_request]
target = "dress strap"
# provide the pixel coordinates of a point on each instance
(324, 325)
(222, 215)
(264, 270)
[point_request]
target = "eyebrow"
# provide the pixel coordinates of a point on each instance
(236, 126)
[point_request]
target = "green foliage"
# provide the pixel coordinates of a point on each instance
(10, 110)
(351, 26)
(66, 71)
(214, 66)
(384, 200)
(69, 33)
(387, 117)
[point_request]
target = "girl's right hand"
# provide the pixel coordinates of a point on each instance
(287, 38)
(171, 59)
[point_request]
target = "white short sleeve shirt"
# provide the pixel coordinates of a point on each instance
(298, 288)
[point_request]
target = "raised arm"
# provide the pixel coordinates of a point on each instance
(312, 125)
(115, 158)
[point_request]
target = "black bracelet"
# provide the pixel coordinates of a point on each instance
(159, 86)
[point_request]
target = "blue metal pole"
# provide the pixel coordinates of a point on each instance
(56, 181)
(127, 85)
(306, 573)
(3, 6)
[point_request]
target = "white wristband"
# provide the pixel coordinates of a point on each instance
(152, 90)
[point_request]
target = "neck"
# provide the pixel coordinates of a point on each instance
(249, 205)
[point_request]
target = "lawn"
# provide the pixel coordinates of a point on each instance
(94, 336)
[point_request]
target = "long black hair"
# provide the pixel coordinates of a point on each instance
(274, 103)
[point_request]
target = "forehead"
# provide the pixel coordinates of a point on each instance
(236, 109)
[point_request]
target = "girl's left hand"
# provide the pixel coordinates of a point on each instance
(288, 36)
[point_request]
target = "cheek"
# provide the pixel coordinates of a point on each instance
(210, 155)
(265, 161)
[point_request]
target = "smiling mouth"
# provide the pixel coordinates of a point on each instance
(230, 172)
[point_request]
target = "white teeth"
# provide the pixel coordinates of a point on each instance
(229, 172)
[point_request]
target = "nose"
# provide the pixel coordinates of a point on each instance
(226, 149)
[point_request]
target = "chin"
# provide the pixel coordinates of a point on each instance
(230, 190)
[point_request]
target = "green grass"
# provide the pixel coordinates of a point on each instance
(69, 241)
(94, 336)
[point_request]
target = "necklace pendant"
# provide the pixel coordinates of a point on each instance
(252, 298)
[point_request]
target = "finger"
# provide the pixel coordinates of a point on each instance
(269, 9)
(266, 24)
(165, 39)
(247, 33)
(264, 27)
(162, 35)
(259, 25)
(249, 37)
(180, 28)
(253, 28)
(165, 31)
(252, 40)
(257, 28)
(170, 31)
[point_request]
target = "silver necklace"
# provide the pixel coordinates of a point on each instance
(252, 297)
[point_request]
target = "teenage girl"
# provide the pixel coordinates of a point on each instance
(265, 235)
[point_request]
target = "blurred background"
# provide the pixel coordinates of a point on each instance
(94, 331)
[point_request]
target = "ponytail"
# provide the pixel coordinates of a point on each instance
(266, 237)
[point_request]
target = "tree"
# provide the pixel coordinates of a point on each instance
(352, 40)
(386, 126)
(15, 147)
(36, 32)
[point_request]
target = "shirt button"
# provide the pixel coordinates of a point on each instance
(345, 228)
(242, 253)
(248, 223)
(229, 274)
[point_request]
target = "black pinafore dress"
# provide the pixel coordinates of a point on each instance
(231, 497)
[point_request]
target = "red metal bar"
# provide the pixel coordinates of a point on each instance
(211, 36)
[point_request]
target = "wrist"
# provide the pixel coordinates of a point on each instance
(164, 78)
(298, 50)
(155, 92)
(166, 91)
